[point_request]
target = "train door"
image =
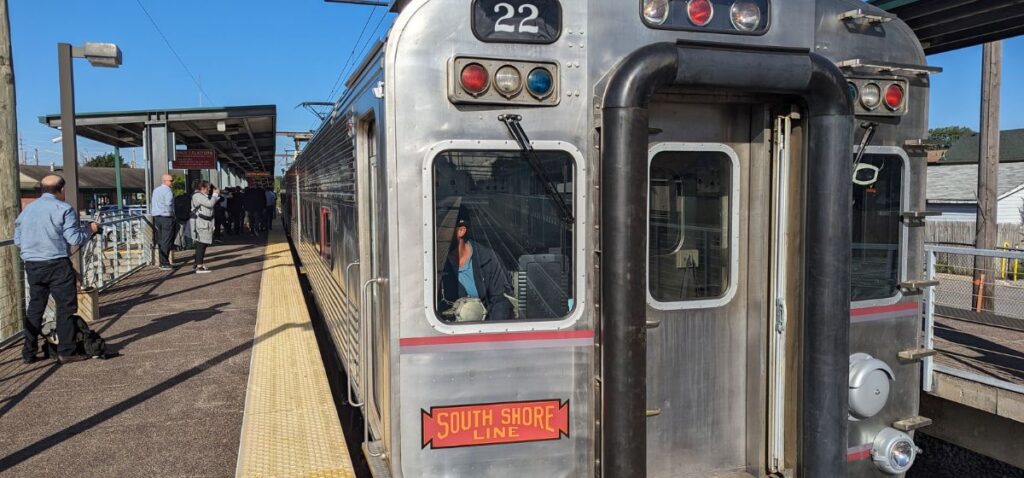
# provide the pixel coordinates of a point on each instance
(373, 240)
(708, 287)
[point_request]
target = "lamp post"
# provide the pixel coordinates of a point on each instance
(104, 55)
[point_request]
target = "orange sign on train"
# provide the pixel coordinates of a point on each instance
(494, 423)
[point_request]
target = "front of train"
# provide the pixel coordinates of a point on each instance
(623, 241)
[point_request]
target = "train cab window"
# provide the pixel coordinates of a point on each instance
(877, 193)
(503, 235)
(691, 219)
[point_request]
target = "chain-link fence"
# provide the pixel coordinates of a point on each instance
(975, 315)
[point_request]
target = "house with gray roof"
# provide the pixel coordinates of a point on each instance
(953, 191)
(953, 181)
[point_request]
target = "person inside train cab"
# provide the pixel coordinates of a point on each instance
(474, 284)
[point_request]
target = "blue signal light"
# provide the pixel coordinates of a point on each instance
(540, 82)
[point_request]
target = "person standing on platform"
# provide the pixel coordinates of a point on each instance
(271, 206)
(236, 211)
(43, 232)
(220, 214)
(162, 209)
(202, 223)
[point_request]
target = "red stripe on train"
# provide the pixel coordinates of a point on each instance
(859, 455)
(505, 337)
(885, 308)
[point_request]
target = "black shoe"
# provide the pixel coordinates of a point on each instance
(63, 359)
(29, 360)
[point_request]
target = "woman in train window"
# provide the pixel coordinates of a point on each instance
(474, 284)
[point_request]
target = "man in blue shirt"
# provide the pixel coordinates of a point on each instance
(162, 209)
(43, 232)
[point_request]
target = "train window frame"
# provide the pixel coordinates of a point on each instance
(734, 232)
(904, 240)
(579, 239)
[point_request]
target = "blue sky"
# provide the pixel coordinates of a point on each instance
(285, 52)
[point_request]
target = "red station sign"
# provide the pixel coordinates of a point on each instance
(494, 423)
(195, 159)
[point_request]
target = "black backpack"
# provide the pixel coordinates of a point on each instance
(182, 208)
(87, 341)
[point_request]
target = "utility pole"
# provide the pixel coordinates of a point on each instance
(67, 125)
(11, 307)
(987, 226)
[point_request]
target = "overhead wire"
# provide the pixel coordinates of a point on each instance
(175, 52)
(351, 54)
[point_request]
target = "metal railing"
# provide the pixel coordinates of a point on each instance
(974, 317)
(124, 246)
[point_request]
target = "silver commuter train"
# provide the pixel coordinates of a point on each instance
(670, 279)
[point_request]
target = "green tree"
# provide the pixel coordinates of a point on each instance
(943, 138)
(178, 185)
(104, 161)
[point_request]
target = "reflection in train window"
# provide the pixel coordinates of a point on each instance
(689, 237)
(877, 192)
(503, 246)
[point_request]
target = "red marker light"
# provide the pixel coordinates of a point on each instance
(474, 79)
(894, 96)
(700, 12)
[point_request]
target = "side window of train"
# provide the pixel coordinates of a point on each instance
(325, 236)
(503, 241)
(877, 205)
(691, 225)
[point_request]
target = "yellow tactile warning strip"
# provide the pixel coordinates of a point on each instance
(291, 427)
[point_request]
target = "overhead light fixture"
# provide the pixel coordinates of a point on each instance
(103, 55)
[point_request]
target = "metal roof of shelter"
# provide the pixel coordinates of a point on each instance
(132, 179)
(944, 25)
(242, 136)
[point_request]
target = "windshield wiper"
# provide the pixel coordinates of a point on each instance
(515, 128)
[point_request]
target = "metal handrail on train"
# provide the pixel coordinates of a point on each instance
(363, 361)
(348, 376)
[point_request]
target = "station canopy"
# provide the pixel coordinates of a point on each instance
(242, 136)
(945, 25)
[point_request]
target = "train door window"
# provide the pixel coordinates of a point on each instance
(503, 233)
(877, 205)
(325, 236)
(692, 230)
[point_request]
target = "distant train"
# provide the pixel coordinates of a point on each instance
(608, 238)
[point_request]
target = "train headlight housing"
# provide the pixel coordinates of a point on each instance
(540, 82)
(474, 79)
(745, 16)
(700, 12)
(656, 11)
(508, 81)
(893, 451)
(870, 96)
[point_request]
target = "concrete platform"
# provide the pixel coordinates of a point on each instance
(170, 405)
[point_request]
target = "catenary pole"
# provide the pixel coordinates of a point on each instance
(988, 176)
(11, 284)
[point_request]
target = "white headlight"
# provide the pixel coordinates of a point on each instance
(745, 16)
(893, 451)
(656, 11)
(870, 96)
(508, 81)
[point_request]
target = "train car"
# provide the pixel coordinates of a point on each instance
(620, 238)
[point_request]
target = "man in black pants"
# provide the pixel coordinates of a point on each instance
(43, 232)
(162, 209)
